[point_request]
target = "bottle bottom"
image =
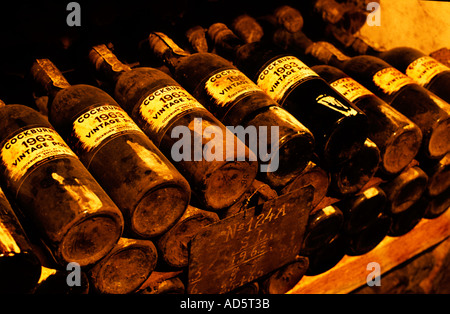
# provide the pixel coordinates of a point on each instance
(158, 211)
(173, 245)
(408, 194)
(401, 151)
(226, 184)
(125, 270)
(90, 239)
(439, 143)
(294, 154)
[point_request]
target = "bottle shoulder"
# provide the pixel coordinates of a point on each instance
(15, 117)
(71, 101)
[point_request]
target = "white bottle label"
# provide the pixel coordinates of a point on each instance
(97, 124)
(227, 85)
(424, 69)
(282, 74)
(161, 106)
(30, 148)
(350, 89)
(391, 80)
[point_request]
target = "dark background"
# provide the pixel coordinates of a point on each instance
(38, 29)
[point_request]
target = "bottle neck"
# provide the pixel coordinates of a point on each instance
(106, 63)
(48, 77)
(351, 43)
(326, 53)
(247, 28)
(225, 41)
(166, 50)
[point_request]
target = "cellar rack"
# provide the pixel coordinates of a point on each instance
(351, 271)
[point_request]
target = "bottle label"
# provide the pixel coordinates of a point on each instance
(391, 80)
(227, 85)
(99, 123)
(350, 89)
(424, 69)
(161, 106)
(280, 75)
(30, 148)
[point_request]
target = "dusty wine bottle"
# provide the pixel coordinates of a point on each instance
(298, 89)
(324, 224)
(438, 187)
(161, 106)
(361, 209)
(286, 277)
(423, 69)
(257, 194)
(170, 286)
(369, 237)
(397, 137)
(173, 245)
(353, 174)
(238, 102)
(312, 175)
(125, 268)
(71, 212)
(20, 268)
(289, 18)
(427, 111)
(437, 205)
(438, 172)
(405, 189)
(328, 256)
(146, 187)
(406, 220)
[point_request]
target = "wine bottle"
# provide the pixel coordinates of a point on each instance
(438, 175)
(406, 220)
(312, 175)
(20, 268)
(298, 89)
(197, 39)
(146, 187)
(289, 18)
(362, 209)
(369, 237)
(397, 137)
(173, 245)
(161, 106)
(249, 288)
(437, 205)
(257, 194)
(286, 277)
(330, 10)
(328, 256)
(69, 210)
(353, 174)
(427, 111)
(238, 102)
(172, 285)
(323, 225)
(423, 69)
(405, 189)
(125, 268)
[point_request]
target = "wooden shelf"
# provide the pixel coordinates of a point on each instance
(351, 273)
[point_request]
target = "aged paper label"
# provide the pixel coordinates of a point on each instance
(280, 75)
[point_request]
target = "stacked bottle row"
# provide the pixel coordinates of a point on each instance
(106, 184)
(413, 124)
